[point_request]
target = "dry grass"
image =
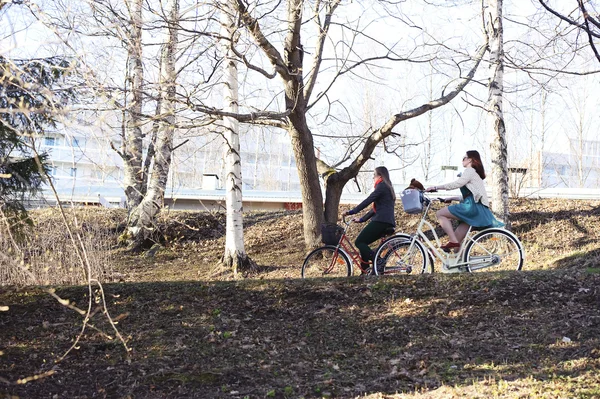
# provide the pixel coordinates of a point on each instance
(531, 334)
(45, 253)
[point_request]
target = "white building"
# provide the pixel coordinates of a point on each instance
(577, 168)
(86, 168)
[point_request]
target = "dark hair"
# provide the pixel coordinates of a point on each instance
(476, 163)
(385, 176)
(414, 183)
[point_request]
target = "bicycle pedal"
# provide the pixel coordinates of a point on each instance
(451, 251)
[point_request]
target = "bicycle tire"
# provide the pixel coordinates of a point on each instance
(501, 247)
(327, 261)
(396, 255)
(430, 256)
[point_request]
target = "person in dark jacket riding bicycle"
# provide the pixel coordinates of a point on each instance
(381, 214)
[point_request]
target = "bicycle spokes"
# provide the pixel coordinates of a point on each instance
(399, 256)
(326, 261)
(494, 248)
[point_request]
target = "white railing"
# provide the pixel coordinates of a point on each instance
(567, 193)
(110, 196)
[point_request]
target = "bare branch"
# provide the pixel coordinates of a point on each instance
(267, 47)
(318, 57)
(586, 18)
(568, 20)
(386, 130)
(253, 117)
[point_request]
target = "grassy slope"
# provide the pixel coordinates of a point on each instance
(508, 335)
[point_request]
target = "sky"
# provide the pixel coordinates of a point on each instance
(456, 128)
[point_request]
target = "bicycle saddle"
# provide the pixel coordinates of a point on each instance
(389, 231)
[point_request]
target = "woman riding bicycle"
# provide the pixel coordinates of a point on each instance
(473, 209)
(383, 198)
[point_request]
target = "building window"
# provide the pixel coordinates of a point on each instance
(563, 170)
(73, 172)
(50, 141)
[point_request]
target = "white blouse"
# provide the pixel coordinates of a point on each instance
(474, 183)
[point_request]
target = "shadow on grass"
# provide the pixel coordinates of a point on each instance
(252, 218)
(529, 220)
(581, 260)
(306, 338)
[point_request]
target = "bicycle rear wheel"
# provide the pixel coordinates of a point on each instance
(495, 249)
(327, 261)
(398, 255)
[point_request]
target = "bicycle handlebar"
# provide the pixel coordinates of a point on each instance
(439, 199)
(346, 222)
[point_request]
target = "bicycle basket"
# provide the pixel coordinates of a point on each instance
(331, 233)
(412, 201)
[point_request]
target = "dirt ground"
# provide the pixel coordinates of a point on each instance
(556, 234)
(193, 332)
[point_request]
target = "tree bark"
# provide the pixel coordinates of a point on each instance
(300, 134)
(142, 217)
(235, 256)
(131, 148)
(498, 144)
(312, 196)
(333, 194)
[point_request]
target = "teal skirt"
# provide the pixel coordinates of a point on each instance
(474, 213)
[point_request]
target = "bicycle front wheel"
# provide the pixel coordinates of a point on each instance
(327, 261)
(497, 249)
(398, 255)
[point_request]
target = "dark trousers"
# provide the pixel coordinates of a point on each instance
(371, 233)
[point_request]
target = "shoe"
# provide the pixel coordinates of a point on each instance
(449, 246)
(366, 268)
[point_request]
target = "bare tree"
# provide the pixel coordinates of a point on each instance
(235, 256)
(146, 111)
(427, 158)
(337, 181)
(499, 147)
(298, 84)
(131, 148)
(579, 126)
(142, 217)
(586, 20)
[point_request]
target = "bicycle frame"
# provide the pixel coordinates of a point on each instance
(345, 246)
(451, 262)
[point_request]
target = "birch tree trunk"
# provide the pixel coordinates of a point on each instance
(235, 256)
(142, 217)
(131, 147)
(499, 148)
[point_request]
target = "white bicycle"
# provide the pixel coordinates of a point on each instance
(491, 248)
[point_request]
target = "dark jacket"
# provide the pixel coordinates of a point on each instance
(384, 205)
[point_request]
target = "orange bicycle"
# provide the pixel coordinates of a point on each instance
(337, 260)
